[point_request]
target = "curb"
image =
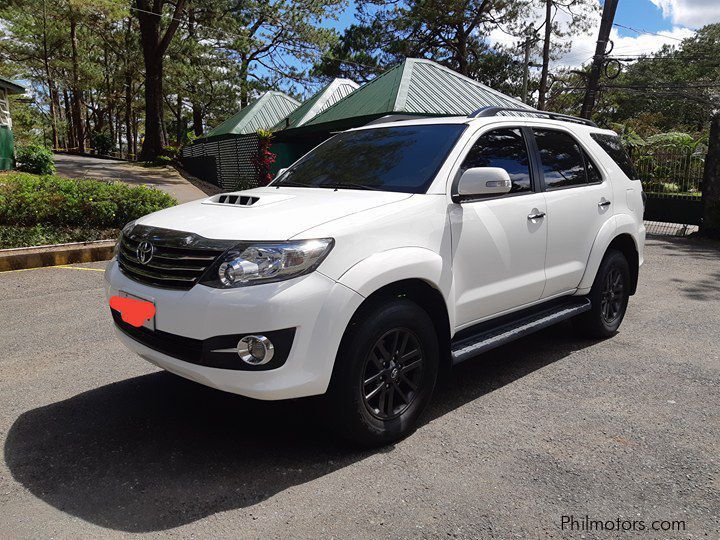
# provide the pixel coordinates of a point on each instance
(38, 256)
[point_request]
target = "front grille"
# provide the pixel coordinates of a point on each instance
(178, 258)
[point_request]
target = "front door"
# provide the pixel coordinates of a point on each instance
(499, 243)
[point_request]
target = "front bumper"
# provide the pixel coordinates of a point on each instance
(317, 307)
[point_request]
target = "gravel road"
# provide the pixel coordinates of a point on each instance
(97, 443)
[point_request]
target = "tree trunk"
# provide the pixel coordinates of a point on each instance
(711, 183)
(128, 113)
(69, 118)
(154, 134)
(244, 94)
(197, 113)
(546, 55)
(154, 46)
(179, 129)
(462, 54)
(76, 91)
(51, 84)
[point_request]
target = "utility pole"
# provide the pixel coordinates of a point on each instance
(542, 90)
(593, 81)
(526, 69)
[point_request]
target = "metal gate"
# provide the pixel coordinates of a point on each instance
(672, 181)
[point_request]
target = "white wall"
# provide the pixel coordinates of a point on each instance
(4, 109)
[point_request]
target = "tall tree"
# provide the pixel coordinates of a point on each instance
(155, 38)
(562, 19)
(454, 33)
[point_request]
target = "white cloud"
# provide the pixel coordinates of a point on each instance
(582, 47)
(692, 13)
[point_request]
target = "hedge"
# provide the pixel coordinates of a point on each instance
(27, 199)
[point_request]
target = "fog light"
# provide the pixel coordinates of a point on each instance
(255, 350)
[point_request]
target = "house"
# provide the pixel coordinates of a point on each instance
(413, 88)
(7, 148)
(225, 156)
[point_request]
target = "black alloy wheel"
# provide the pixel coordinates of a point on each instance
(392, 374)
(612, 296)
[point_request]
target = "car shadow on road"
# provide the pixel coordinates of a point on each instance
(155, 452)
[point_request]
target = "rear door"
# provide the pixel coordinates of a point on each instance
(579, 201)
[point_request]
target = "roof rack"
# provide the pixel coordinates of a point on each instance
(494, 111)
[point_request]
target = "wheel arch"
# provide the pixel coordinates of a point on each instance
(620, 234)
(420, 291)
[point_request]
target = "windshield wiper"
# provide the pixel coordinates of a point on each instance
(348, 185)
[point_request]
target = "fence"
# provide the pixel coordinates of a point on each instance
(672, 180)
(229, 162)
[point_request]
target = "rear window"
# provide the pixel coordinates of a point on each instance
(401, 158)
(614, 148)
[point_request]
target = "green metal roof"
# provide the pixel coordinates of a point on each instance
(311, 107)
(415, 86)
(11, 87)
(263, 113)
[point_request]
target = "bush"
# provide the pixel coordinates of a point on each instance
(102, 143)
(34, 158)
(50, 200)
(173, 152)
(40, 235)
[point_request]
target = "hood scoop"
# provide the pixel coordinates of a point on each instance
(246, 200)
(240, 200)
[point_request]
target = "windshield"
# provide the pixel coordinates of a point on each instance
(399, 158)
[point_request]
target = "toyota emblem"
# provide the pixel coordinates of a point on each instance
(144, 252)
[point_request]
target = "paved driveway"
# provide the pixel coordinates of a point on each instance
(97, 443)
(164, 178)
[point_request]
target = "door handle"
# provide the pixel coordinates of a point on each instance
(537, 215)
(603, 204)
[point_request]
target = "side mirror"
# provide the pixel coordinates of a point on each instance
(479, 182)
(280, 172)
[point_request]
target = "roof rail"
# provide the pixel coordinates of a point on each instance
(494, 111)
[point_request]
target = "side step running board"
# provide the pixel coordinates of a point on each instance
(494, 336)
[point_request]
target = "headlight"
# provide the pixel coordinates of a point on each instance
(267, 262)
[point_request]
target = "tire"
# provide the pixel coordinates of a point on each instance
(389, 350)
(609, 298)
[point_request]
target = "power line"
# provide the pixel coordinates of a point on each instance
(641, 31)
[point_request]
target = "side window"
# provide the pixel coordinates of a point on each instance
(503, 148)
(614, 148)
(561, 159)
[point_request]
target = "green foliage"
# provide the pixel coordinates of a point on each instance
(12, 236)
(34, 158)
(102, 143)
(173, 152)
(27, 199)
(160, 161)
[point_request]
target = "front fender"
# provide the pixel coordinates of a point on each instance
(614, 227)
(386, 267)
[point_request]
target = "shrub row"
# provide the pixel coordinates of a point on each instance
(27, 199)
(12, 236)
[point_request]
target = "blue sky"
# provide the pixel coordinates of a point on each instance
(674, 19)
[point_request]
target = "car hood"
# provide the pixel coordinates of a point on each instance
(267, 213)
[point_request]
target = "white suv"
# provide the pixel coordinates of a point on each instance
(385, 254)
